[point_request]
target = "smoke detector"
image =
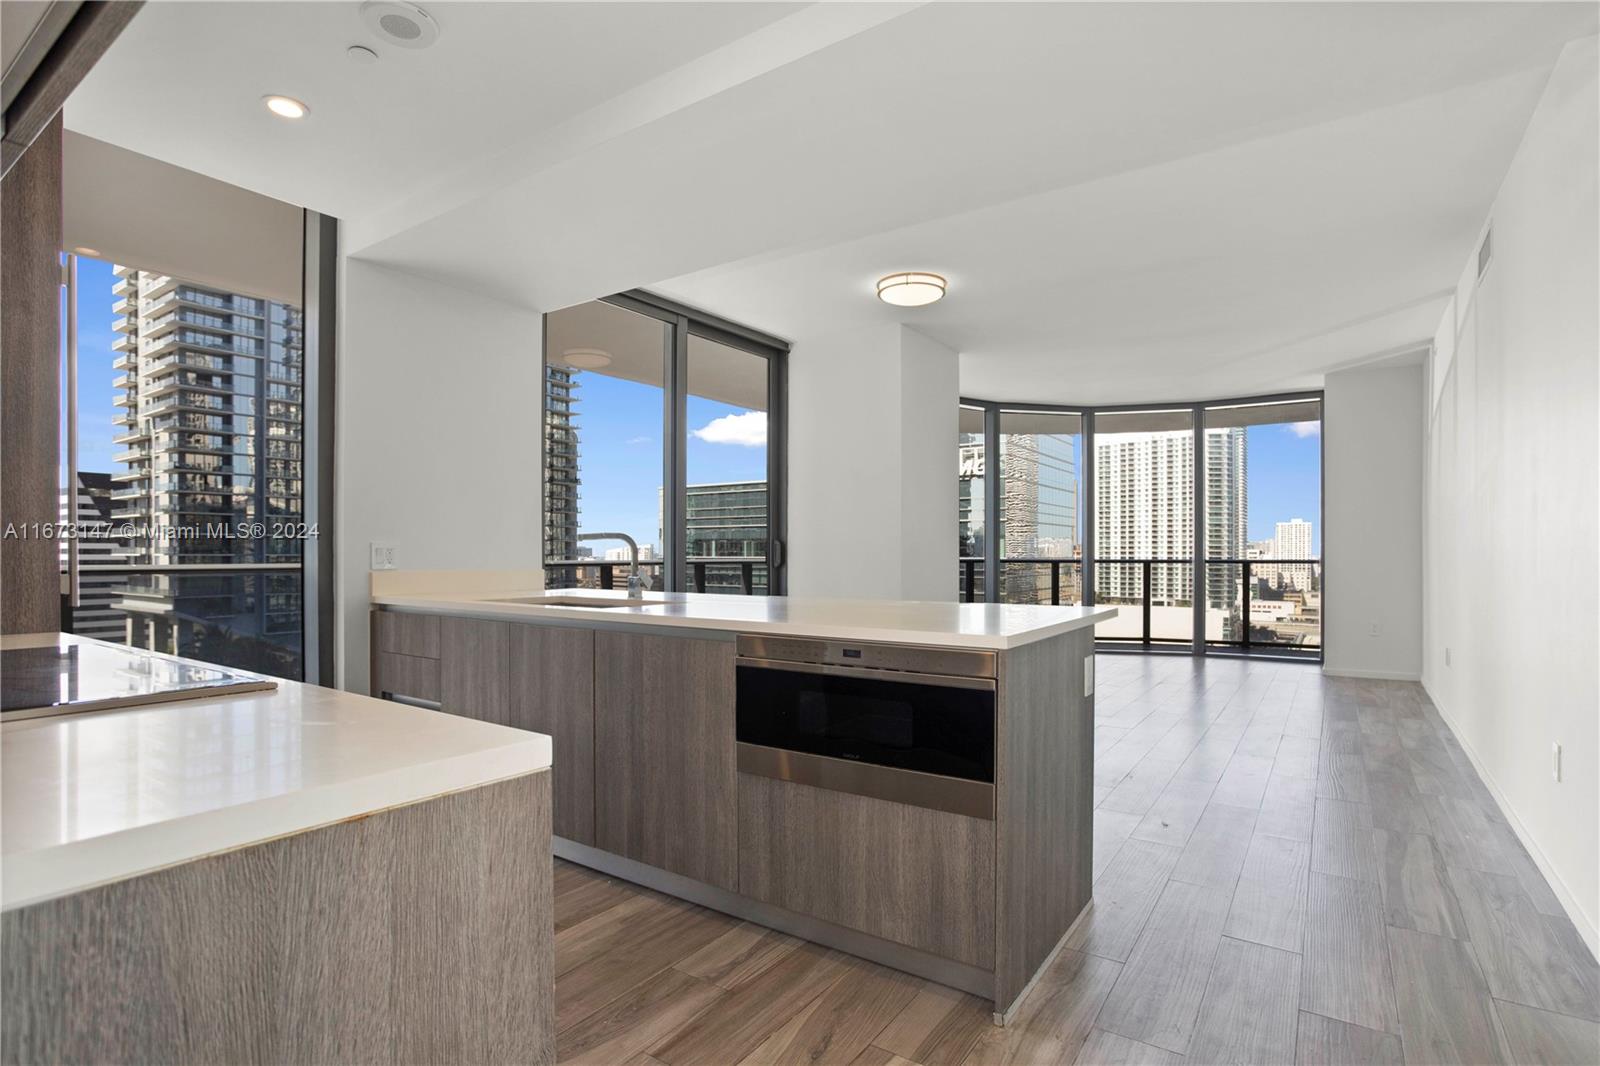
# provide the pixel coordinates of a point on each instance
(401, 24)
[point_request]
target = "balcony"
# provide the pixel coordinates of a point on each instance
(124, 286)
(158, 285)
(130, 437)
(125, 324)
(125, 306)
(124, 343)
(1280, 598)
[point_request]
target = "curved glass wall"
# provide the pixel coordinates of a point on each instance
(1201, 522)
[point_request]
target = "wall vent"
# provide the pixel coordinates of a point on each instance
(1485, 250)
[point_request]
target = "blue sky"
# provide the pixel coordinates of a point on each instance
(620, 438)
(94, 369)
(1285, 478)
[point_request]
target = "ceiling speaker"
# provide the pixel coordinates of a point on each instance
(405, 25)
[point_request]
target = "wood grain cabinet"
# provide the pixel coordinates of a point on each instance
(539, 678)
(665, 781)
(915, 876)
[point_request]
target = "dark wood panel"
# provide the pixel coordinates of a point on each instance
(418, 934)
(405, 675)
(406, 634)
(30, 385)
(907, 874)
(539, 678)
(665, 790)
(39, 101)
(1044, 804)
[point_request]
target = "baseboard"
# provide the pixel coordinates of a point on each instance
(1567, 898)
(1372, 675)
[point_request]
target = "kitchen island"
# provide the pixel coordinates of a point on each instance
(294, 875)
(906, 781)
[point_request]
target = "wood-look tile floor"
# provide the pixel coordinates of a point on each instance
(1289, 869)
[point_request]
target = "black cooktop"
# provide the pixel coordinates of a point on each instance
(83, 675)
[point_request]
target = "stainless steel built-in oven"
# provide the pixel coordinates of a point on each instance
(894, 722)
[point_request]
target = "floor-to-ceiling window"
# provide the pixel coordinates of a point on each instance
(1143, 514)
(1139, 493)
(1041, 507)
(663, 424)
(605, 381)
(971, 502)
(1263, 552)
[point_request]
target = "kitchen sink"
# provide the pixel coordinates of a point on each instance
(577, 601)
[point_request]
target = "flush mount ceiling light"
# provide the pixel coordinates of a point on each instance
(285, 106)
(406, 25)
(586, 358)
(911, 289)
(90, 252)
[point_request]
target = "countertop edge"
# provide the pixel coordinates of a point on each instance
(60, 870)
(468, 607)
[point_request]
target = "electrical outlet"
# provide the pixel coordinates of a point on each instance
(1088, 675)
(1447, 656)
(1375, 630)
(383, 556)
(1555, 762)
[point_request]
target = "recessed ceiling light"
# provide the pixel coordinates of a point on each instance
(911, 289)
(586, 358)
(285, 106)
(90, 252)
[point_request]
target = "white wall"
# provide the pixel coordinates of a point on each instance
(1372, 465)
(872, 466)
(1512, 495)
(437, 442)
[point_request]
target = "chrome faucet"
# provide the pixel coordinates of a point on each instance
(635, 586)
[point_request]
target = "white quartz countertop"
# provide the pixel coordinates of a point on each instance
(993, 626)
(97, 797)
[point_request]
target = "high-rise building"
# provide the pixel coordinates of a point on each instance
(211, 414)
(561, 472)
(727, 520)
(1144, 509)
(99, 546)
(970, 495)
(1038, 508)
(1292, 540)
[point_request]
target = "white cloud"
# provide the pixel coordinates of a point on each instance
(1304, 429)
(637, 440)
(748, 430)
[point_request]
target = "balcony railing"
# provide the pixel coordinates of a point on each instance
(734, 575)
(1156, 597)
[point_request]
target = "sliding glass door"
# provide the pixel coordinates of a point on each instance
(664, 424)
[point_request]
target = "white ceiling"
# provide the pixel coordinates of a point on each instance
(1132, 201)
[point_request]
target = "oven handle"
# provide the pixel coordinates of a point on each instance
(982, 684)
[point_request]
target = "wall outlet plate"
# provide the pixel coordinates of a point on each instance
(383, 556)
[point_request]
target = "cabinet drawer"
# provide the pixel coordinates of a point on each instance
(916, 876)
(406, 634)
(406, 675)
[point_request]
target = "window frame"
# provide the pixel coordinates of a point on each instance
(992, 560)
(686, 321)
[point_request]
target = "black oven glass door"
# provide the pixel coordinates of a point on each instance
(910, 725)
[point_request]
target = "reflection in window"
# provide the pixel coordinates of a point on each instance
(1040, 507)
(605, 389)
